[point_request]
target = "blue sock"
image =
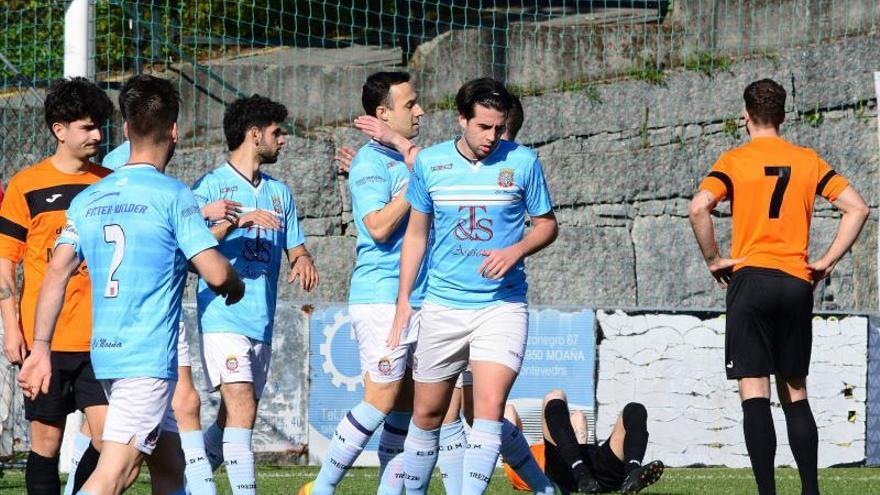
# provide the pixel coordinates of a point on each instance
(80, 445)
(517, 455)
(197, 470)
(453, 445)
(391, 453)
(419, 457)
(482, 454)
(239, 460)
(214, 445)
(352, 434)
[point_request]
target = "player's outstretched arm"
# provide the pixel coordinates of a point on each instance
(303, 267)
(35, 373)
(700, 213)
(216, 271)
(378, 130)
(499, 261)
(415, 241)
(14, 346)
(855, 213)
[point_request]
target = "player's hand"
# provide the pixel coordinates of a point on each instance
(499, 261)
(401, 321)
(722, 269)
(376, 129)
(35, 372)
(820, 270)
(233, 291)
(222, 209)
(344, 157)
(304, 269)
(261, 218)
(14, 347)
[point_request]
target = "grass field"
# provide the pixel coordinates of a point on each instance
(720, 481)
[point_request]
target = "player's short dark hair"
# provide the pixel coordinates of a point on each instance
(377, 88)
(515, 118)
(765, 102)
(151, 106)
(484, 91)
(76, 98)
(250, 111)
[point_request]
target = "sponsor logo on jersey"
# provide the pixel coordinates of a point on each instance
(443, 166)
(472, 227)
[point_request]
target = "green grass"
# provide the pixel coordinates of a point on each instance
(287, 480)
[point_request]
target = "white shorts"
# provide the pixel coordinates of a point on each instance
(139, 408)
(184, 360)
(449, 338)
(372, 324)
(465, 379)
(234, 358)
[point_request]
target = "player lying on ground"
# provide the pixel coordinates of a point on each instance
(768, 279)
(575, 463)
(136, 229)
(30, 219)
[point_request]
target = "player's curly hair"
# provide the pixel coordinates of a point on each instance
(251, 111)
(765, 102)
(377, 87)
(151, 106)
(76, 98)
(485, 92)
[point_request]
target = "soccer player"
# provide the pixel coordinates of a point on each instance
(771, 185)
(186, 402)
(573, 462)
(31, 217)
(474, 193)
(378, 182)
(136, 229)
(236, 341)
(453, 442)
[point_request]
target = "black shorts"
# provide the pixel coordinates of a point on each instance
(72, 387)
(769, 329)
(607, 469)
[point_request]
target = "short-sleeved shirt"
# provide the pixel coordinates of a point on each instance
(771, 185)
(136, 229)
(31, 216)
(378, 174)
(476, 207)
(254, 252)
(118, 156)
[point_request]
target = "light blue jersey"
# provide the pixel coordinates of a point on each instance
(254, 252)
(476, 207)
(136, 229)
(377, 175)
(118, 156)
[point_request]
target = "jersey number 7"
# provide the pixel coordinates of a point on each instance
(784, 175)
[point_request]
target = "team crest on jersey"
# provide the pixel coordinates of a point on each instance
(276, 205)
(505, 177)
(232, 364)
(385, 366)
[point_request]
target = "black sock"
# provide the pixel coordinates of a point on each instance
(635, 442)
(41, 475)
(558, 420)
(87, 464)
(760, 442)
(803, 437)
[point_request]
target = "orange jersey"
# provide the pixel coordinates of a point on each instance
(515, 480)
(31, 217)
(772, 185)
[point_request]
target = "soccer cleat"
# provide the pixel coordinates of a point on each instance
(588, 485)
(306, 489)
(642, 477)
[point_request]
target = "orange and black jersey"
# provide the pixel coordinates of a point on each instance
(771, 185)
(31, 217)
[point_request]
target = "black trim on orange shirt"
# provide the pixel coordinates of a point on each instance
(12, 229)
(55, 198)
(824, 182)
(727, 183)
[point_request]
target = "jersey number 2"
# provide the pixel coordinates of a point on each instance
(114, 233)
(784, 175)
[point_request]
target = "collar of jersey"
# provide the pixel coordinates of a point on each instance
(244, 179)
(134, 165)
(383, 148)
(474, 164)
